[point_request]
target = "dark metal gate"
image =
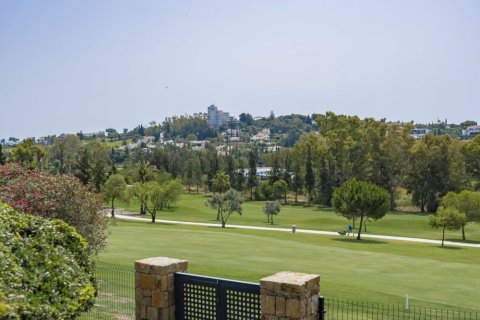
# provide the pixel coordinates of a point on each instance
(199, 297)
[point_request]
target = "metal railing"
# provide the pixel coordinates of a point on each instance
(355, 310)
(116, 300)
(116, 293)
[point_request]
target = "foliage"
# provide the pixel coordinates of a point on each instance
(55, 197)
(356, 199)
(279, 190)
(184, 125)
(46, 270)
(3, 159)
(467, 202)
(27, 153)
(271, 208)
(447, 218)
(252, 172)
(162, 195)
(436, 167)
(220, 182)
(64, 152)
(226, 204)
(114, 188)
(471, 152)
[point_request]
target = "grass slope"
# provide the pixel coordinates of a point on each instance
(192, 207)
(368, 270)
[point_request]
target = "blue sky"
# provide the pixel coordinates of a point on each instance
(88, 65)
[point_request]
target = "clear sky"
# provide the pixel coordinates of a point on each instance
(67, 66)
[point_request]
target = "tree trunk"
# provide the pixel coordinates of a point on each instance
(223, 224)
(113, 208)
(197, 188)
(296, 196)
(360, 228)
(218, 214)
(285, 198)
(153, 216)
(463, 233)
(271, 219)
(251, 193)
(443, 234)
(392, 200)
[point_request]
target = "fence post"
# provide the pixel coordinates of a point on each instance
(290, 295)
(154, 287)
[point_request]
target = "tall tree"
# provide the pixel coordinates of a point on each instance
(309, 175)
(430, 174)
(226, 204)
(391, 165)
(471, 152)
(3, 159)
(28, 154)
(97, 154)
(279, 190)
(362, 200)
(161, 196)
(114, 188)
(447, 218)
(84, 167)
(252, 172)
(467, 202)
(271, 208)
(220, 182)
(297, 183)
(65, 150)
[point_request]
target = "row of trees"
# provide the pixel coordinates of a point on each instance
(344, 147)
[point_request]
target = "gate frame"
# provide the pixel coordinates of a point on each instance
(221, 285)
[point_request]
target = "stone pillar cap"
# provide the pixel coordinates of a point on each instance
(160, 261)
(293, 278)
(160, 265)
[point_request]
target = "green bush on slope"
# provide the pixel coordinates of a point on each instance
(46, 270)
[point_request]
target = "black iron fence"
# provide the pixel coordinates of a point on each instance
(238, 300)
(355, 310)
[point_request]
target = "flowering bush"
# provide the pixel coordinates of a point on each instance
(46, 270)
(55, 197)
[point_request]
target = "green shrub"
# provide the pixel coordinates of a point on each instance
(46, 271)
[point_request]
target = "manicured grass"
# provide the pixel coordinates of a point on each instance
(367, 270)
(192, 207)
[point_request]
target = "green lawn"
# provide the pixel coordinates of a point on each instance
(192, 207)
(367, 270)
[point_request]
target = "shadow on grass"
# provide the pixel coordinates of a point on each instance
(461, 241)
(354, 240)
(448, 247)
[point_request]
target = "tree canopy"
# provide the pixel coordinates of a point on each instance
(447, 218)
(226, 204)
(362, 200)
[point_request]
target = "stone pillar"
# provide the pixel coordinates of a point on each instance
(290, 295)
(154, 287)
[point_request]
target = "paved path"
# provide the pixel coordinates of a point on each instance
(329, 233)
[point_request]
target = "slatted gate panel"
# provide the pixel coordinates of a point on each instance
(205, 298)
